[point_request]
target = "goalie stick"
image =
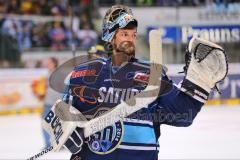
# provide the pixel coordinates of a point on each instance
(124, 109)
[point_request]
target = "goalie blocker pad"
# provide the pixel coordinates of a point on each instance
(58, 130)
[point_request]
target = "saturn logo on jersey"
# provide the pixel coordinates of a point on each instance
(114, 95)
(107, 140)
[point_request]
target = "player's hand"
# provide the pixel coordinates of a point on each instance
(75, 141)
(206, 65)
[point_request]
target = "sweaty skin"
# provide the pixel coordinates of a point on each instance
(123, 43)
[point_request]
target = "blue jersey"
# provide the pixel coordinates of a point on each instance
(95, 87)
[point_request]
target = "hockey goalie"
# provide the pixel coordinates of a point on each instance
(103, 83)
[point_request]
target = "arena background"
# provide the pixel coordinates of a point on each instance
(31, 31)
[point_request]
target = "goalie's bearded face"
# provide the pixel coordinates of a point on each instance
(124, 41)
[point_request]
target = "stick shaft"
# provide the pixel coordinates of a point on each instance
(40, 154)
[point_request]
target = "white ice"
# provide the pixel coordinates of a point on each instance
(215, 134)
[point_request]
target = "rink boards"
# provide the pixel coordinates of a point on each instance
(22, 90)
(230, 87)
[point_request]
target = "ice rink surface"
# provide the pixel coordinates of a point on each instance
(215, 134)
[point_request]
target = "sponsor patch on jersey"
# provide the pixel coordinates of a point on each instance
(83, 73)
(107, 140)
(141, 77)
(115, 95)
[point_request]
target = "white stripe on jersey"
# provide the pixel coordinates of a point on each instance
(70, 100)
(184, 90)
(144, 148)
(195, 96)
(138, 121)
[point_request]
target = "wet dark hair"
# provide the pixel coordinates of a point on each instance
(131, 25)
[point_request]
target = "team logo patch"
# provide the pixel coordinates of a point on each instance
(107, 140)
(141, 77)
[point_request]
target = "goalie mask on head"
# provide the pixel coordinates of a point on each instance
(118, 16)
(206, 65)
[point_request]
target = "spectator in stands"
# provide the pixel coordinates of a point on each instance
(13, 7)
(51, 95)
(62, 5)
(26, 7)
(59, 8)
(87, 37)
(3, 8)
(26, 42)
(144, 2)
(57, 36)
(40, 36)
(80, 7)
(43, 7)
(85, 18)
(71, 37)
(97, 52)
(13, 28)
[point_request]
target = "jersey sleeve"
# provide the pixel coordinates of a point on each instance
(81, 89)
(174, 107)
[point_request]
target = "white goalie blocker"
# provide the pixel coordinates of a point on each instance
(206, 65)
(58, 129)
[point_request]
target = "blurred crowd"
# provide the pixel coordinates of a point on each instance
(54, 30)
(165, 3)
(58, 33)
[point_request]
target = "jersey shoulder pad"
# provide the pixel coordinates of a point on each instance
(143, 62)
(88, 69)
(92, 63)
(147, 64)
